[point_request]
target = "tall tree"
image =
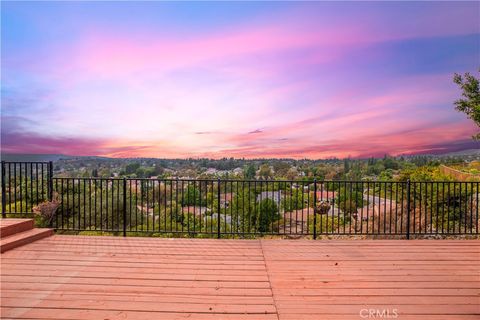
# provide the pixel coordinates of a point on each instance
(265, 172)
(470, 101)
(249, 172)
(267, 213)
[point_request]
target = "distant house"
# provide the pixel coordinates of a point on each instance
(211, 171)
(276, 196)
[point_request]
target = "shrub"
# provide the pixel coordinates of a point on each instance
(267, 213)
(45, 212)
(322, 207)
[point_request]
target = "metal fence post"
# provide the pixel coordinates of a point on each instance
(4, 193)
(314, 209)
(218, 208)
(408, 209)
(124, 207)
(50, 181)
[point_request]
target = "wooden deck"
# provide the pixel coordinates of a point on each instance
(78, 277)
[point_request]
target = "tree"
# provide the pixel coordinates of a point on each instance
(390, 163)
(295, 201)
(470, 103)
(346, 165)
(268, 213)
(140, 173)
(131, 168)
(192, 197)
(250, 172)
(265, 172)
(349, 201)
(292, 174)
(243, 210)
(321, 171)
(281, 168)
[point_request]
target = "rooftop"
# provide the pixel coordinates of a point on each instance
(91, 277)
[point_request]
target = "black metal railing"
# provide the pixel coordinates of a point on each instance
(25, 185)
(246, 208)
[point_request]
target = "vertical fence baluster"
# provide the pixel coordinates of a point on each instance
(478, 205)
(314, 209)
(54, 219)
(61, 203)
(4, 194)
(50, 181)
(408, 209)
(124, 207)
(20, 190)
(36, 184)
(9, 187)
(218, 208)
(30, 201)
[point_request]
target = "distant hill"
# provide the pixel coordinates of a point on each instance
(457, 154)
(469, 152)
(33, 157)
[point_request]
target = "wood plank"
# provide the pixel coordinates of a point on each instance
(357, 317)
(301, 301)
(192, 276)
(118, 280)
(141, 296)
(206, 291)
(152, 306)
(413, 309)
(87, 314)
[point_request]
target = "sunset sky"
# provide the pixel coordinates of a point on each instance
(217, 79)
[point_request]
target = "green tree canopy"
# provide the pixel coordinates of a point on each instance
(265, 172)
(249, 172)
(268, 213)
(470, 101)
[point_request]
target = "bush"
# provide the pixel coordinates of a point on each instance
(268, 213)
(45, 212)
(322, 207)
(328, 224)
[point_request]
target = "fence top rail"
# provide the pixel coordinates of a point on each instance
(301, 182)
(26, 162)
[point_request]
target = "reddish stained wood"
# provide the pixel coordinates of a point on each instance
(421, 279)
(87, 314)
(81, 277)
(152, 306)
(357, 317)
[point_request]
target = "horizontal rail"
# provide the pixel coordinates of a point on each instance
(260, 180)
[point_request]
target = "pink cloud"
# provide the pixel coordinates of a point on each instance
(280, 78)
(432, 139)
(429, 140)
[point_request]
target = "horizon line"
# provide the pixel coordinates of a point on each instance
(244, 158)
